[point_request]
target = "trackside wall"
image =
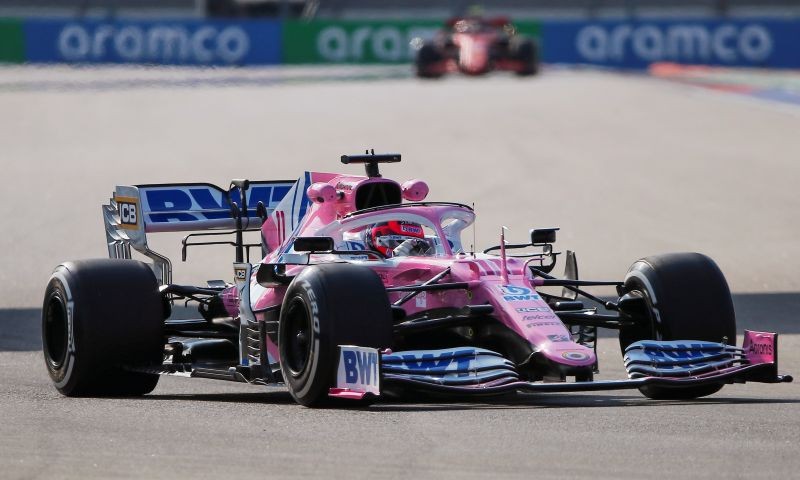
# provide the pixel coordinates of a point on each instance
(637, 44)
(12, 45)
(368, 41)
(632, 44)
(161, 42)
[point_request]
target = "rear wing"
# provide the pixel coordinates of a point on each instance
(135, 211)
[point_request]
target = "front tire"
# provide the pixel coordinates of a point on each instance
(426, 61)
(687, 299)
(98, 317)
(525, 51)
(326, 306)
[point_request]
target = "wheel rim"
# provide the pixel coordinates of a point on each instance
(655, 330)
(650, 331)
(653, 325)
(296, 339)
(56, 331)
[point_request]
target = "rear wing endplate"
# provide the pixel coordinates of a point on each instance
(135, 211)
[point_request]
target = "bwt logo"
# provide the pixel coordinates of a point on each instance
(361, 366)
(187, 204)
(386, 44)
(680, 351)
(158, 43)
(411, 229)
(513, 293)
(725, 43)
(430, 363)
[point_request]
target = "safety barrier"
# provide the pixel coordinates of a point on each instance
(637, 44)
(165, 42)
(371, 41)
(12, 47)
(765, 42)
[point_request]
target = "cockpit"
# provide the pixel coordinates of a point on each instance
(427, 229)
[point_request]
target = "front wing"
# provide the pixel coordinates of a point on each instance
(470, 371)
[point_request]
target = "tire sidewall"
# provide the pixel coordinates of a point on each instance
(308, 292)
(524, 49)
(651, 331)
(58, 290)
(427, 56)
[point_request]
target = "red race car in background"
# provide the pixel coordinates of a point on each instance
(475, 46)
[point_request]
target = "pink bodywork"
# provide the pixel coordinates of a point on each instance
(474, 41)
(760, 347)
(516, 304)
(474, 51)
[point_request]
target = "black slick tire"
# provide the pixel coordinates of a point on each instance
(427, 56)
(98, 317)
(688, 299)
(525, 51)
(326, 306)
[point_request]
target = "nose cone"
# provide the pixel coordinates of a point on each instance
(474, 54)
(570, 354)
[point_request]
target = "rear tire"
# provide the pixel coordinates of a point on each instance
(326, 306)
(688, 299)
(98, 317)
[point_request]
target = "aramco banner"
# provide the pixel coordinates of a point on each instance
(353, 41)
(758, 42)
(12, 43)
(175, 42)
(362, 41)
(636, 44)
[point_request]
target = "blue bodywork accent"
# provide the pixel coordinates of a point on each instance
(475, 371)
(198, 202)
(304, 201)
(680, 358)
(455, 366)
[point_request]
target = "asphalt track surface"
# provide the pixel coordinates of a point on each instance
(626, 165)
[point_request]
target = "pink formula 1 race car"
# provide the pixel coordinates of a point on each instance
(475, 46)
(363, 289)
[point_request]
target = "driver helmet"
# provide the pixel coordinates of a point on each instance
(386, 236)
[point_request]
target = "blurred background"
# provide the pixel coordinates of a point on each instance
(620, 33)
(309, 9)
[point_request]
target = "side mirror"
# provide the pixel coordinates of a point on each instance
(541, 236)
(313, 244)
